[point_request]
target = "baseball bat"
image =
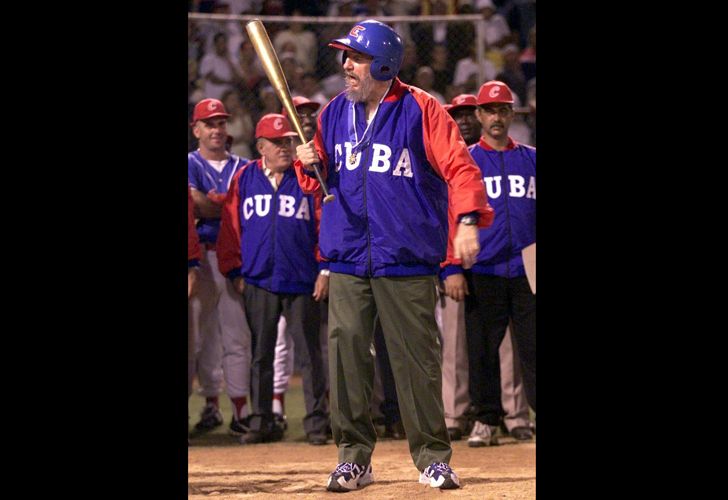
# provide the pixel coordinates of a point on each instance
(264, 48)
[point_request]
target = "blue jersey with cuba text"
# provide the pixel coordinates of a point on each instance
(269, 236)
(510, 180)
(203, 177)
(392, 180)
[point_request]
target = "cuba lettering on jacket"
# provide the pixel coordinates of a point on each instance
(203, 177)
(269, 237)
(510, 181)
(392, 194)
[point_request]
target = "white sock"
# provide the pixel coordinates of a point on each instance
(277, 406)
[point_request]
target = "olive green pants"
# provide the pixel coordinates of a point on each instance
(406, 308)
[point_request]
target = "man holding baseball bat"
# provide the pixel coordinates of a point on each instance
(400, 175)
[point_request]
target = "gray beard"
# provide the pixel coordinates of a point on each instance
(361, 94)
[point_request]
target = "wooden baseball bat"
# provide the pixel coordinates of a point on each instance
(264, 48)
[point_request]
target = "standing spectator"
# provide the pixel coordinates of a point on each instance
(307, 111)
(310, 89)
(494, 27)
(496, 289)
(424, 78)
(468, 71)
(249, 68)
(454, 342)
(285, 348)
(304, 41)
(268, 249)
(217, 314)
(512, 72)
(269, 100)
(218, 69)
(443, 68)
(450, 311)
(528, 56)
(409, 63)
(239, 126)
(395, 163)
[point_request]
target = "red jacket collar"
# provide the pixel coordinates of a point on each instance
(396, 91)
(511, 145)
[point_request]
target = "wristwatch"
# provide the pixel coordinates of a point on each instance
(469, 220)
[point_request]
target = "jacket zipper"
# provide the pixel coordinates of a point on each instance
(366, 216)
(508, 215)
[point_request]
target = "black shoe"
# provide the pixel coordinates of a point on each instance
(316, 438)
(280, 421)
(455, 433)
(255, 437)
(209, 418)
(522, 433)
(239, 427)
(394, 431)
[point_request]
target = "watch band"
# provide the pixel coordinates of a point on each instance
(469, 220)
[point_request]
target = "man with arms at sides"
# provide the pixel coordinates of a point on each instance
(498, 290)
(451, 318)
(268, 249)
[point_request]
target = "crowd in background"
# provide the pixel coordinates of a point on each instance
(439, 57)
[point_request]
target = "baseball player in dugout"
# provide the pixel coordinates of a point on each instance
(397, 165)
(216, 311)
(268, 248)
(496, 289)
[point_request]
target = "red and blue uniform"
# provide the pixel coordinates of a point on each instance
(510, 181)
(269, 237)
(203, 177)
(371, 228)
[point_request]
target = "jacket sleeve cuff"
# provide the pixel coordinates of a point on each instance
(193, 263)
(231, 275)
(310, 173)
(450, 269)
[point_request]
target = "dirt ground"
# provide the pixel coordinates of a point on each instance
(299, 470)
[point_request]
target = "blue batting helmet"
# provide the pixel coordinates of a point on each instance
(377, 40)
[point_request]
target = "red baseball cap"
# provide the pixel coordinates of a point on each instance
(494, 91)
(208, 108)
(302, 102)
(462, 101)
(274, 126)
